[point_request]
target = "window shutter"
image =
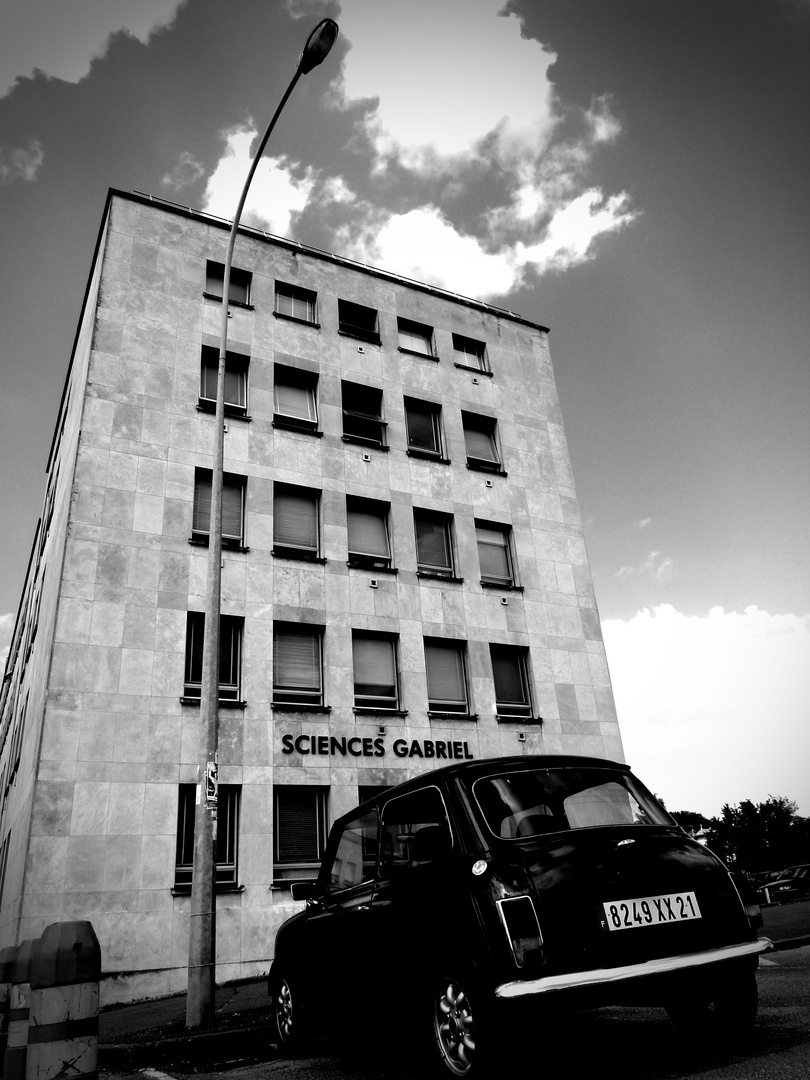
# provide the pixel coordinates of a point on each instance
(231, 509)
(367, 533)
(374, 664)
(202, 502)
(297, 825)
(445, 675)
(480, 444)
(432, 543)
(295, 520)
(296, 661)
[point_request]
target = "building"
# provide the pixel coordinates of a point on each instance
(405, 581)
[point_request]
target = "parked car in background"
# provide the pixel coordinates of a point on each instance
(467, 899)
(792, 884)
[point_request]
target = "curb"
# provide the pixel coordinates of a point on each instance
(791, 943)
(209, 1047)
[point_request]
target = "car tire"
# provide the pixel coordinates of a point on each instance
(728, 1012)
(289, 1014)
(462, 1044)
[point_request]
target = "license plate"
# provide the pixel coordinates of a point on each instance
(651, 910)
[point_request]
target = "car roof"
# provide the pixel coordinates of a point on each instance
(473, 770)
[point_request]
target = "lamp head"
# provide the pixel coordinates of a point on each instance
(318, 44)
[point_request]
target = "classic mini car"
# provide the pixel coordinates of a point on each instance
(485, 891)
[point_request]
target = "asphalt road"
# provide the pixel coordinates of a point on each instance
(631, 1044)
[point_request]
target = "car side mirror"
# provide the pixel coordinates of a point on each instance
(303, 890)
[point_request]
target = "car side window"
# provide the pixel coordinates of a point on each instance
(415, 832)
(355, 860)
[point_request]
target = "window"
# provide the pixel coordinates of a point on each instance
(424, 429)
(297, 667)
(434, 546)
(415, 831)
(479, 438)
(295, 303)
(227, 846)
(369, 543)
(230, 655)
(236, 371)
(299, 830)
(446, 680)
(510, 670)
(358, 321)
(362, 414)
(355, 859)
(295, 521)
(495, 554)
(233, 508)
(239, 291)
(415, 337)
(470, 353)
(294, 398)
(375, 671)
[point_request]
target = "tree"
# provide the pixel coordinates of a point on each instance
(764, 836)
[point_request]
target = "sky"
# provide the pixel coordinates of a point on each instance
(633, 174)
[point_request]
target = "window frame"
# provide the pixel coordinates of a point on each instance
(356, 504)
(229, 809)
(291, 697)
(517, 710)
(291, 550)
(486, 425)
(371, 702)
(472, 350)
(241, 282)
(433, 410)
(445, 521)
(299, 378)
(296, 294)
(236, 364)
(371, 420)
(418, 330)
(230, 482)
(347, 309)
(447, 706)
(507, 534)
(287, 870)
(230, 627)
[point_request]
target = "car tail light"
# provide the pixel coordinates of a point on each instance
(522, 928)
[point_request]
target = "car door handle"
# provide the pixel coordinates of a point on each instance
(363, 907)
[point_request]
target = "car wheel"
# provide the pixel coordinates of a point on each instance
(460, 1028)
(729, 1011)
(289, 1014)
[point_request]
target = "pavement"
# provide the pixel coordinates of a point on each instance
(152, 1034)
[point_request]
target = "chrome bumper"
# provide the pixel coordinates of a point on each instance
(603, 976)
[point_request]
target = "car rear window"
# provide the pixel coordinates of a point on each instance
(522, 804)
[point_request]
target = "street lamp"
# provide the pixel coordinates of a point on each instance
(202, 923)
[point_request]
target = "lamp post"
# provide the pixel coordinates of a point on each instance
(202, 923)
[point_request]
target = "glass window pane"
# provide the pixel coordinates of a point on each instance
(294, 400)
(509, 674)
(296, 665)
(356, 856)
(368, 534)
(375, 680)
(299, 824)
(423, 427)
(433, 551)
(480, 442)
(493, 555)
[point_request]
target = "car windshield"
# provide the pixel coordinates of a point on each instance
(521, 804)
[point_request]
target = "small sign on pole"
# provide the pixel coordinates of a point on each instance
(211, 783)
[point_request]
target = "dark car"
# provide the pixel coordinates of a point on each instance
(480, 893)
(791, 884)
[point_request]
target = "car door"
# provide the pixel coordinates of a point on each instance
(337, 925)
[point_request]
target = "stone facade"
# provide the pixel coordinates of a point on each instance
(98, 728)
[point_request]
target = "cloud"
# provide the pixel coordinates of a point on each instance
(477, 175)
(61, 39)
(714, 708)
(186, 172)
(276, 194)
(20, 163)
(655, 565)
(6, 630)
(644, 523)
